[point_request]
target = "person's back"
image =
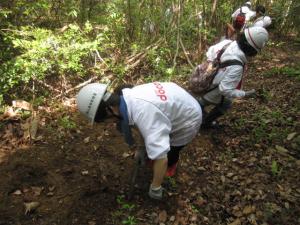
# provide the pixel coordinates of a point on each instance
(230, 76)
(156, 106)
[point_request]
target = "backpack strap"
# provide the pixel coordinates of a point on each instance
(220, 53)
(231, 63)
(223, 65)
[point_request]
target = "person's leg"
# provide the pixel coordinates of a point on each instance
(203, 103)
(216, 112)
(173, 155)
(159, 171)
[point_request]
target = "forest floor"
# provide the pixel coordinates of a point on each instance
(246, 172)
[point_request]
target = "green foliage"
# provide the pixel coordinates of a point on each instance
(124, 205)
(122, 213)
(276, 171)
(286, 70)
(66, 122)
(158, 60)
(171, 182)
(269, 126)
(130, 220)
(42, 52)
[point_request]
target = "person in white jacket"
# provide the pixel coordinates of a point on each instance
(260, 19)
(242, 15)
(227, 83)
(166, 115)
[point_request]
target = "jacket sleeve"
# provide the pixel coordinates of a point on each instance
(232, 77)
(155, 128)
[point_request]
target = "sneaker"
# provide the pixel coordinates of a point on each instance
(156, 194)
(171, 170)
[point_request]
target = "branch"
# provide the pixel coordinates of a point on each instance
(77, 87)
(100, 58)
(186, 54)
(178, 34)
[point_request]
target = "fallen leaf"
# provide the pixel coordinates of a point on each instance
(287, 205)
(37, 190)
(281, 149)
(84, 172)
(31, 206)
(92, 223)
(291, 136)
(17, 192)
(194, 218)
(125, 155)
(248, 209)
(252, 219)
(86, 140)
(223, 179)
(172, 218)
(236, 222)
(162, 217)
(51, 188)
(230, 174)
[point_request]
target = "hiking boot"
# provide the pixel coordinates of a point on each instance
(171, 170)
(212, 125)
(156, 194)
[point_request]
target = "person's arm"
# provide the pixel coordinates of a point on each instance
(232, 77)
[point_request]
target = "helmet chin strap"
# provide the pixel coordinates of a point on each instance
(113, 113)
(106, 96)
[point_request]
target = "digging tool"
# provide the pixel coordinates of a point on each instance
(139, 159)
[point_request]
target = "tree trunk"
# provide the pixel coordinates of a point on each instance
(213, 12)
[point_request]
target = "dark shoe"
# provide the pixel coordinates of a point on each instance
(212, 125)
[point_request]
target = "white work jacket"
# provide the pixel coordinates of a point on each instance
(165, 114)
(263, 21)
(228, 78)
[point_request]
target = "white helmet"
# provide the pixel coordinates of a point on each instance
(248, 3)
(89, 99)
(257, 37)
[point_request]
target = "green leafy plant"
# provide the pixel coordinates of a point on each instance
(66, 122)
(171, 182)
(270, 126)
(124, 210)
(42, 52)
(286, 70)
(130, 220)
(194, 209)
(276, 171)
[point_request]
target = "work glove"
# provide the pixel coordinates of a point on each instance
(250, 93)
